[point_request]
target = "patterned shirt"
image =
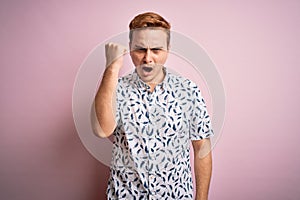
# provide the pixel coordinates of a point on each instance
(151, 158)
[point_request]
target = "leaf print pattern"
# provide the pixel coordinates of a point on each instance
(151, 158)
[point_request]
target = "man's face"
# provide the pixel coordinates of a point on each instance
(149, 52)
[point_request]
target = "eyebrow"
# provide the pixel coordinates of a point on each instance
(140, 47)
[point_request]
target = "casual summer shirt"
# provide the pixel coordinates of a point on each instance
(151, 158)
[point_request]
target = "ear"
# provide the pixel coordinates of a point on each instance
(168, 48)
(129, 44)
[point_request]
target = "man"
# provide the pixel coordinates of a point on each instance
(156, 116)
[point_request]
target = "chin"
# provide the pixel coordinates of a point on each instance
(145, 79)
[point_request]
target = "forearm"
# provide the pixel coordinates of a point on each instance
(203, 170)
(104, 102)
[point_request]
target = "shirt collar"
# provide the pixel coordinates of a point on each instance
(142, 85)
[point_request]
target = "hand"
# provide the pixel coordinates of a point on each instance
(114, 54)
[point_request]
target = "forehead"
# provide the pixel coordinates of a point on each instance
(149, 37)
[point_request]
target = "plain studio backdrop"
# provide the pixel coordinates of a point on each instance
(254, 45)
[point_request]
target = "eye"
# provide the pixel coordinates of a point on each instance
(156, 50)
(140, 49)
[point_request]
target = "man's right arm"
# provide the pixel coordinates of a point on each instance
(103, 116)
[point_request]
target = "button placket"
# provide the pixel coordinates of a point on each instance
(152, 182)
(151, 145)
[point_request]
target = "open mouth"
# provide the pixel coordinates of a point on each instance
(147, 69)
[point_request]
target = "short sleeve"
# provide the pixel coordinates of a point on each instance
(119, 100)
(200, 124)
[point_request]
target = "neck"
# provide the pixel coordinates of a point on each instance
(152, 84)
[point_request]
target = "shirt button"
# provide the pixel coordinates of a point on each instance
(151, 177)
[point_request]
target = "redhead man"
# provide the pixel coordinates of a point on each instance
(153, 116)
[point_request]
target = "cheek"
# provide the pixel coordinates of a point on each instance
(136, 59)
(162, 58)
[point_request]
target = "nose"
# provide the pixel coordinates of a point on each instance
(147, 57)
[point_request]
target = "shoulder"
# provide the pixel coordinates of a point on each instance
(125, 85)
(126, 80)
(181, 82)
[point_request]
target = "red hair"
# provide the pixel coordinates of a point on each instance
(149, 20)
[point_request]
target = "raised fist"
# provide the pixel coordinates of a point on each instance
(114, 54)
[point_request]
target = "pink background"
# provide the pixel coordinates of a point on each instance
(255, 45)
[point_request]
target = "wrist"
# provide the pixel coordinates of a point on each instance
(113, 68)
(201, 197)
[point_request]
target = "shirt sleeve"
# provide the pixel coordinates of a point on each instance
(200, 124)
(119, 100)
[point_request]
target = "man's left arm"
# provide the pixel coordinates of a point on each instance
(202, 167)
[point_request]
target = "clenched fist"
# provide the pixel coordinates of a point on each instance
(114, 54)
